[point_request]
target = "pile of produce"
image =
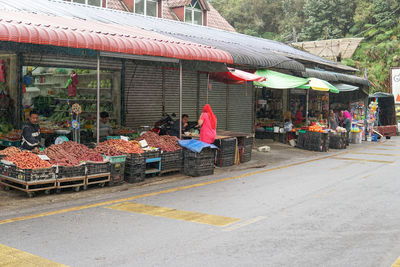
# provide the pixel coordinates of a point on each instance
(28, 160)
(10, 151)
(340, 129)
(122, 146)
(58, 156)
(81, 152)
(166, 143)
(316, 128)
(106, 149)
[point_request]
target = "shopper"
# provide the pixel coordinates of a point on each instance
(333, 121)
(347, 121)
(31, 132)
(299, 116)
(175, 127)
(105, 127)
(341, 119)
(208, 124)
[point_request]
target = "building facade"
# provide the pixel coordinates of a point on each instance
(198, 12)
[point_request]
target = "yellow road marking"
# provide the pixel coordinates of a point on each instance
(14, 257)
(77, 208)
(182, 215)
(245, 223)
(387, 149)
(376, 154)
(365, 160)
(396, 263)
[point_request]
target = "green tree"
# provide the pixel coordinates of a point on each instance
(333, 18)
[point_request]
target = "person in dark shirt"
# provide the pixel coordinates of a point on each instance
(175, 127)
(31, 132)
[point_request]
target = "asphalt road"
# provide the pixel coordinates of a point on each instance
(340, 210)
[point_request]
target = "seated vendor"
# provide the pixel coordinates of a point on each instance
(299, 119)
(31, 132)
(105, 127)
(175, 127)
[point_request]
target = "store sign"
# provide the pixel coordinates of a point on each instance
(395, 82)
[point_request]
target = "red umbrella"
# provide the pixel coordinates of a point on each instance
(235, 76)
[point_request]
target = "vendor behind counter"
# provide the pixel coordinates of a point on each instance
(31, 132)
(175, 126)
(105, 126)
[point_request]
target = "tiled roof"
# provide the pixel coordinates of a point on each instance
(177, 3)
(115, 4)
(215, 20)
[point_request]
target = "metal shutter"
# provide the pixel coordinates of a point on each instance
(240, 108)
(189, 103)
(143, 95)
(216, 98)
(49, 60)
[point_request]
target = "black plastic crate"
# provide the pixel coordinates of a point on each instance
(98, 168)
(134, 178)
(74, 171)
(151, 154)
(225, 143)
(117, 173)
(30, 175)
(134, 168)
(171, 156)
(246, 157)
(134, 159)
(205, 153)
(200, 171)
(225, 162)
(8, 170)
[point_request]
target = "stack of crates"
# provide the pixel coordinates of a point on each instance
(198, 164)
(117, 169)
(171, 161)
(226, 153)
(245, 148)
(135, 167)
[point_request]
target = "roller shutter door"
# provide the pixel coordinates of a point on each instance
(143, 95)
(240, 108)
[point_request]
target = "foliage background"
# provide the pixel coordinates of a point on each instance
(378, 21)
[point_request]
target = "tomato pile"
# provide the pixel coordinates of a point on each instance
(81, 152)
(165, 142)
(27, 160)
(9, 151)
(121, 146)
(58, 156)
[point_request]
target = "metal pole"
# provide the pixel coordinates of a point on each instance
(98, 100)
(307, 98)
(208, 87)
(180, 99)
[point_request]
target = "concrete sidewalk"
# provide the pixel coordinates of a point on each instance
(280, 154)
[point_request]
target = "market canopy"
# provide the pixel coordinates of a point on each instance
(235, 76)
(319, 85)
(277, 80)
(42, 29)
(343, 87)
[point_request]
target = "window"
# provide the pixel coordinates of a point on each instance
(147, 7)
(194, 13)
(90, 2)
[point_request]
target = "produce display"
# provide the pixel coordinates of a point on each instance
(107, 150)
(122, 146)
(58, 156)
(165, 142)
(27, 160)
(10, 151)
(316, 128)
(81, 152)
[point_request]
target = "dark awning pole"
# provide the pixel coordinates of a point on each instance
(180, 99)
(98, 100)
(307, 98)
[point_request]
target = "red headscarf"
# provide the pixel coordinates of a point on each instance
(207, 109)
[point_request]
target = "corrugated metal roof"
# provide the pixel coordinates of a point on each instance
(245, 50)
(53, 30)
(334, 76)
(242, 51)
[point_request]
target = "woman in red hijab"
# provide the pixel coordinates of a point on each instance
(208, 123)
